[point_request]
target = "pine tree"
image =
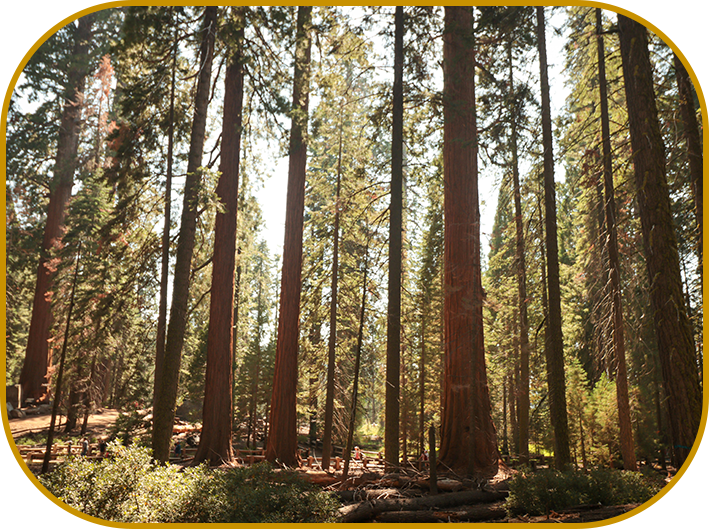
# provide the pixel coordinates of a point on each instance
(166, 391)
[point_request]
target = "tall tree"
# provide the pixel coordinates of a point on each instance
(332, 340)
(282, 438)
(521, 271)
(694, 149)
(627, 446)
(33, 377)
(215, 441)
(166, 391)
(674, 334)
(391, 421)
(554, 343)
(468, 438)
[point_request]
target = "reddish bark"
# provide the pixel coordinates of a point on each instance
(33, 377)
(468, 438)
(215, 441)
(674, 334)
(282, 438)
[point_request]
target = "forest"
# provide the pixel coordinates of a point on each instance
(488, 277)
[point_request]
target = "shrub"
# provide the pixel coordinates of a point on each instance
(129, 487)
(551, 490)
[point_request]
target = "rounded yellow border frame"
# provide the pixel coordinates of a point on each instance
(681, 26)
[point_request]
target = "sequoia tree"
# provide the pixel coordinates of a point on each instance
(33, 377)
(468, 438)
(674, 334)
(215, 440)
(282, 437)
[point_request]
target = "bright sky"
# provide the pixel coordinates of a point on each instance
(272, 196)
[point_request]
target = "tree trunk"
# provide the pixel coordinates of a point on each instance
(165, 264)
(282, 439)
(694, 151)
(33, 377)
(391, 420)
(674, 333)
(627, 446)
(554, 343)
(166, 388)
(215, 441)
(521, 269)
(332, 341)
(468, 438)
(60, 373)
(358, 357)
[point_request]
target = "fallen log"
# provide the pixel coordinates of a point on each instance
(366, 510)
(475, 513)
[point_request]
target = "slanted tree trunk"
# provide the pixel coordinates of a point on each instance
(468, 439)
(215, 440)
(554, 343)
(60, 373)
(282, 437)
(166, 388)
(391, 419)
(690, 129)
(33, 377)
(627, 446)
(674, 332)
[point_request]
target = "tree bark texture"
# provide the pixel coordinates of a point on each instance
(391, 420)
(215, 440)
(166, 388)
(627, 445)
(468, 438)
(694, 150)
(554, 345)
(674, 333)
(33, 377)
(282, 438)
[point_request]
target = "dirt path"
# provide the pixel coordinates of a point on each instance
(98, 422)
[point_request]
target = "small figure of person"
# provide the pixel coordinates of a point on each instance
(178, 449)
(84, 446)
(102, 445)
(357, 454)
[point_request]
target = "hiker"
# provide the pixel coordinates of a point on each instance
(84, 446)
(178, 449)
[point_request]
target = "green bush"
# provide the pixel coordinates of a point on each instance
(129, 487)
(551, 490)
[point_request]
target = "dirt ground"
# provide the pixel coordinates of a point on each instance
(98, 423)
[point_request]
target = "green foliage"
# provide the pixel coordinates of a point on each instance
(552, 490)
(129, 488)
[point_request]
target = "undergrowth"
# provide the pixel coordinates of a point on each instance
(130, 487)
(544, 491)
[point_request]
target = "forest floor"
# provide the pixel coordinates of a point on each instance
(373, 495)
(99, 424)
